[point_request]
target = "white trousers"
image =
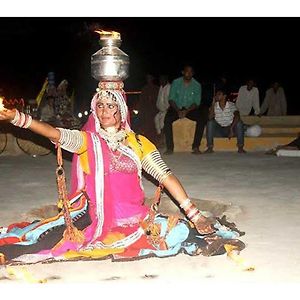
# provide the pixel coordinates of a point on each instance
(159, 120)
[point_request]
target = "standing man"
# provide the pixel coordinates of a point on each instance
(224, 121)
(275, 101)
(147, 108)
(248, 98)
(162, 104)
(184, 99)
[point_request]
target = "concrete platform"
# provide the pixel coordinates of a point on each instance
(265, 120)
(280, 129)
(275, 131)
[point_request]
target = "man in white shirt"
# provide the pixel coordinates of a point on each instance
(162, 103)
(248, 97)
(224, 121)
(275, 101)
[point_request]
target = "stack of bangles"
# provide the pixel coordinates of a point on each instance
(192, 212)
(21, 120)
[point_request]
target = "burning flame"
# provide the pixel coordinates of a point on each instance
(1, 104)
(108, 34)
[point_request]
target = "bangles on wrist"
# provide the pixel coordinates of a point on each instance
(192, 212)
(21, 120)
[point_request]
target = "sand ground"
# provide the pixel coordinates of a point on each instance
(264, 189)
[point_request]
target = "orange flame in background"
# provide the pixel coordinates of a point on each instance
(1, 104)
(108, 34)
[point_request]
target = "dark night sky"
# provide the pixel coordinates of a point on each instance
(265, 49)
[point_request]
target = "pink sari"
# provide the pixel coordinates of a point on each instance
(113, 196)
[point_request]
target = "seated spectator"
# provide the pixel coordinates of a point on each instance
(224, 121)
(275, 101)
(248, 98)
(185, 99)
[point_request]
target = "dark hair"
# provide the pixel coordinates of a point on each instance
(223, 75)
(275, 81)
(188, 66)
(164, 76)
(224, 91)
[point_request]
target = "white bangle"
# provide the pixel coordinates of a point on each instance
(28, 121)
(16, 118)
(185, 203)
(196, 218)
(192, 213)
(21, 120)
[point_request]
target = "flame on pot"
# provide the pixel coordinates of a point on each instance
(108, 34)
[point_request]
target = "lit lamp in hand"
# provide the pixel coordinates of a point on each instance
(1, 104)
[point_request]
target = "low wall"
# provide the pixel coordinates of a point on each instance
(275, 131)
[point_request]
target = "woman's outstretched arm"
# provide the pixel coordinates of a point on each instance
(70, 140)
(153, 164)
(36, 126)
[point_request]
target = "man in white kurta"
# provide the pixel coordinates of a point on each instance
(248, 98)
(275, 101)
(162, 103)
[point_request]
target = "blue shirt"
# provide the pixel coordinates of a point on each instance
(185, 95)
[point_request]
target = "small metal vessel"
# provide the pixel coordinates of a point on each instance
(110, 63)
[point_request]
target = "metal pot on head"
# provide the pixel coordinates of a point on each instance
(110, 63)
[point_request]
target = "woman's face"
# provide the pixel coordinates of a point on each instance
(108, 113)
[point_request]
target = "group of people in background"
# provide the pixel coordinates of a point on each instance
(214, 106)
(55, 102)
(274, 103)
(55, 105)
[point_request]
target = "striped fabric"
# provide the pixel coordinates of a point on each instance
(155, 166)
(225, 117)
(70, 140)
(123, 243)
